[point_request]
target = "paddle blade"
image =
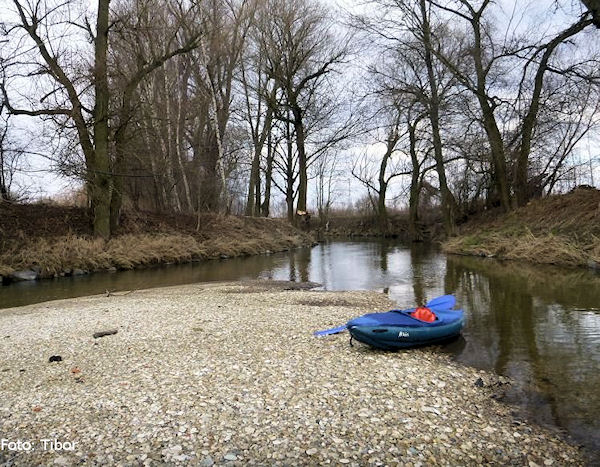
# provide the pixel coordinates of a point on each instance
(327, 332)
(445, 302)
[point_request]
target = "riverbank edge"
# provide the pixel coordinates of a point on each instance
(562, 230)
(541, 249)
(429, 229)
(75, 255)
(319, 307)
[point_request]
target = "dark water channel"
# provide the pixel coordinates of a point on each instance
(538, 325)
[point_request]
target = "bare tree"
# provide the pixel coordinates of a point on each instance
(545, 52)
(433, 109)
(39, 23)
(285, 163)
(265, 207)
(69, 96)
(260, 95)
(406, 36)
(10, 155)
(484, 59)
(389, 165)
(477, 81)
(417, 173)
(136, 30)
(327, 174)
(300, 51)
(214, 69)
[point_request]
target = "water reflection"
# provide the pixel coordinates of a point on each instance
(24, 293)
(299, 265)
(538, 325)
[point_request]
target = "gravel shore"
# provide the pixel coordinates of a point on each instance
(230, 374)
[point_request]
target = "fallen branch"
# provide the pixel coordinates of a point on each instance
(105, 333)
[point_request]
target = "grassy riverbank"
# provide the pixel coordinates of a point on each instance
(561, 229)
(53, 240)
(230, 374)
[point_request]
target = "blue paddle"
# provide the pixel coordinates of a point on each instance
(445, 302)
(328, 332)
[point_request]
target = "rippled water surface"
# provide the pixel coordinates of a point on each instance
(540, 325)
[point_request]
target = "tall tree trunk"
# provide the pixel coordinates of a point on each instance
(382, 215)
(489, 120)
(302, 160)
(101, 185)
(289, 192)
(415, 183)
(118, 171)
(165, 141)
(500, 174)
(381, 209)
(160, 201)
(182, 105)
(521, 184)
(217, 125)
(210, 185)
(266, 205)
(448, 201)
(3, 188)
(251, 200)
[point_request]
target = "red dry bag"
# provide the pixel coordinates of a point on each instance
(424, 314)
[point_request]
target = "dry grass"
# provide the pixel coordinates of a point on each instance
(563, 230)
(219, 236)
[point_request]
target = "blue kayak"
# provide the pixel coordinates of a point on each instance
(397, 329)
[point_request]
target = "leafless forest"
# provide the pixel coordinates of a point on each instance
(229, 105)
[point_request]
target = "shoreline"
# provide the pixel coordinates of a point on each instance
(6, 280)
(527, 249)
(229, 373)
(563, 230)
(37, 257)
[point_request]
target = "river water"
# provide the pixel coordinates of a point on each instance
(539, 325)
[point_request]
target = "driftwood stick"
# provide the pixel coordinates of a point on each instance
(105, 333)
(112, 294)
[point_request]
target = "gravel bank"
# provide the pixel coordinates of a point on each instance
(229, 373)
